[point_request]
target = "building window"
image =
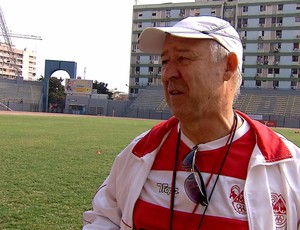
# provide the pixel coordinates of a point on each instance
(153, 14)
(258, 71)
(262, 21)
(182, 12)
(278, 45)
(262, 8)
(239, 23)
(273, 20)
(297, 19)
(259, 61)
(138, 59)
(245, 8)
(168, 13)
(270, 71)
(294, 71)
(293, 83)
(266, 60)
(280, 7)
(258, 83)
(278, 34)
(296, 46)
(134, 48)
(213, 11)
(276, 59)
(275, 84)
(298, 6)
(137, 70)
(295, 58)
(279, 20)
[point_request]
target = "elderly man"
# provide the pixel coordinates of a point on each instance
(209, 166)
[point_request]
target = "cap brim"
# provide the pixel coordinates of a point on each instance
(152, 39)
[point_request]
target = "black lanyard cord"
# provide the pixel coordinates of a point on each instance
(173, 188)
(223, 162)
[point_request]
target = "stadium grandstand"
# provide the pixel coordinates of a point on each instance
(20, 95)
(278, 106)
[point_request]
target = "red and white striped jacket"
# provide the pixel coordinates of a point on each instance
(114, 202)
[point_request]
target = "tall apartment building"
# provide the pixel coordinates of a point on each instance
(269, 29)
(25, 63)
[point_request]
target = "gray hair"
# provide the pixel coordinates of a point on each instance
(219, 53)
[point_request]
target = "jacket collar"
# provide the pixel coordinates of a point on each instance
(153, 138)
(269, 143)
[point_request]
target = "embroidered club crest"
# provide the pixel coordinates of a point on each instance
(279, 209)
(238, 202)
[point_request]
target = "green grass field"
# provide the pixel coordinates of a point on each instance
(50, 169)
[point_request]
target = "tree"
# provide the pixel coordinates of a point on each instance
(56, 95)
(56, 92)
(102, 88)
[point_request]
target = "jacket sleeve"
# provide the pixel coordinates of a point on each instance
(106, 212)
(293, 178)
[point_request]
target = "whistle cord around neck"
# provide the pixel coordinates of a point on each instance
(231, 136)
(173, 187)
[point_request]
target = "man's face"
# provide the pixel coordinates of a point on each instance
(192, 81)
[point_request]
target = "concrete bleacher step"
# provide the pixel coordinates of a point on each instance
(295, 106)
(250, 101)
(11, 90)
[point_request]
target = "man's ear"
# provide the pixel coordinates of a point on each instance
(232, 65)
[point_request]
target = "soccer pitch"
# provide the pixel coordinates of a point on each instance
(51, 166)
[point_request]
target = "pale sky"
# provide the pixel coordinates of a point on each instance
(94, 34)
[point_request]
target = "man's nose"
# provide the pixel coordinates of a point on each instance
(170, 71)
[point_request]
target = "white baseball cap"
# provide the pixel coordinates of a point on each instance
(152, 39)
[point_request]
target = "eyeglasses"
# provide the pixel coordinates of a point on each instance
(194, 184)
